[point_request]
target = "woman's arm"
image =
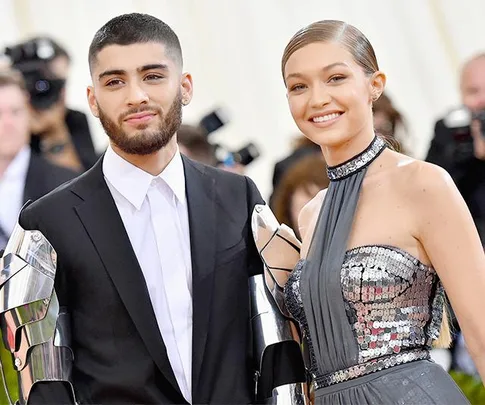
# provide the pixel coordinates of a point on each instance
(307, 221)
(449, 236)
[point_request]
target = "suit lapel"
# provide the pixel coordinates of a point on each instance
(101, 219)
(202, 222)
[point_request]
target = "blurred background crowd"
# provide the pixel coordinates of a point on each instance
(433, 108)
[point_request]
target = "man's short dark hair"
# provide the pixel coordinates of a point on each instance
(128, 29)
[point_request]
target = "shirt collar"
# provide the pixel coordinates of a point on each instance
(133, 183)
(19, 166)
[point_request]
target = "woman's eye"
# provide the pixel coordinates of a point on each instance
(297, 87)
(336, 78)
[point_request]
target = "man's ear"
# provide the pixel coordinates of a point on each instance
(187, 88)
(93, 105)
(377, 85)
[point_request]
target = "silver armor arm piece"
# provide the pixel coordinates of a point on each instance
(272, 324)
(34, 328)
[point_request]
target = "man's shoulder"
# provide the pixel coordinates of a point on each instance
(217, 174)
(52, 171)
(62, 195)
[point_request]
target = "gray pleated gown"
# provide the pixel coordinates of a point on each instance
(370, 314)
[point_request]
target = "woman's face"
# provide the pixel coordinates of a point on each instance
(329, 95)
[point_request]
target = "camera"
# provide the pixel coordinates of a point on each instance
(458, 121)
(244, 156)
(32, 59)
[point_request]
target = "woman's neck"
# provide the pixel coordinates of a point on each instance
(338, 154)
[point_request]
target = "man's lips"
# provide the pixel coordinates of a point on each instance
(140, 117)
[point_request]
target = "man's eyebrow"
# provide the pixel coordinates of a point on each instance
(144, 68)
(160, 66)
(111, 72)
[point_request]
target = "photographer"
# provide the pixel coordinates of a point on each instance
(60, 134)
(23, 175)
(459, 141)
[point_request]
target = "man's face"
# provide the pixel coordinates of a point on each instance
(137, 94)
(473, 85)
(14, 121)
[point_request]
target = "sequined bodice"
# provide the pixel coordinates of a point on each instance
(393, 302)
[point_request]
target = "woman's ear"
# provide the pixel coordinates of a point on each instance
(377, 85)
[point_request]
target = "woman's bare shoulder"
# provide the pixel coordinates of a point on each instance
(308, 218)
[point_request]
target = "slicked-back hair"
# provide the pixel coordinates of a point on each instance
(128, 29)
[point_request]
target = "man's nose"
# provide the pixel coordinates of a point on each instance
(137, 95)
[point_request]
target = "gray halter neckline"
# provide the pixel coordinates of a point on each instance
(358, 162)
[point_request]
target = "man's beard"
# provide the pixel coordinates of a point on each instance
(144, 141)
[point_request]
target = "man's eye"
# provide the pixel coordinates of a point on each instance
(153, 77)
(113, 82)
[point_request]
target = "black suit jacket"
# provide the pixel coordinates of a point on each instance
(467, 171)
(119, 353)
(43, 177)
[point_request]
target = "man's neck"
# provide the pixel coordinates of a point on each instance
(154, 163)
(4, 163)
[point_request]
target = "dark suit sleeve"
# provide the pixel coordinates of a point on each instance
(45, 392)
(254, 198)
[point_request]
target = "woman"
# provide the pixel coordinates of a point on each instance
(378, 243)
(298, 186)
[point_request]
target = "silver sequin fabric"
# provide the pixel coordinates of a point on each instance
(393, 303)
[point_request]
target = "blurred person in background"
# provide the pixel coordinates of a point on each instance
(193, 143)
(459, 147)
(23, 175)
(60, 134)
(389, 122)
(298, 186)
(302, 147)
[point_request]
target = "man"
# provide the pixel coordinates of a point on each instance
(464, 157)
(23, 175)
(154, 250)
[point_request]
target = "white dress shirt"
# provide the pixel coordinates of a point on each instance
(12, 187)
(155, 216)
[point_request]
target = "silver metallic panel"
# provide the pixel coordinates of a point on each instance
(33, 248)
(27, 286)
(289, 394)
(36, 333)
(268, 323)
(46, 363)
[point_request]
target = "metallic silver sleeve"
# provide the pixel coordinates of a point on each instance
(272, 324)
(35, 330)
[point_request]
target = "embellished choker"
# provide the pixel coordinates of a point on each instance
(358, 162)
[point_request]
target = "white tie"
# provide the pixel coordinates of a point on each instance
(178, 302)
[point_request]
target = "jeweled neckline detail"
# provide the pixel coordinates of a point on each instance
(358, 162)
